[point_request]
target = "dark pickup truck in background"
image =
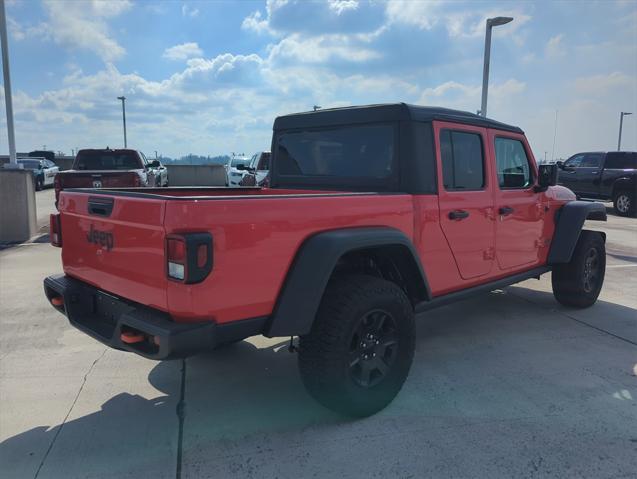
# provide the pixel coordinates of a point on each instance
(608, 176)
(106, 168)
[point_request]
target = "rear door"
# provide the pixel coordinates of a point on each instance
(466, 197)
(116, 243)
(519, 209)
(618, 165)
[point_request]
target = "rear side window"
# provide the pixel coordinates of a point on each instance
(512, 164)
(462, 160)
(107, 160)
(365, 152)
(621, 161)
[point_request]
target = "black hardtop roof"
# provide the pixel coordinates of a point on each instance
(385, 112)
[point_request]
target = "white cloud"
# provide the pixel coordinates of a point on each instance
(468, 22)
(187, 11)
(340, 6)
(255, 23)
(83, 25)
(599, 84)
(15, 29)
(453, 94)
(555, 48)
(183, 51)
(320, 49)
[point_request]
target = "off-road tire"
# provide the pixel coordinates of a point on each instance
(331, 355)
(578, 283)
(624, 203)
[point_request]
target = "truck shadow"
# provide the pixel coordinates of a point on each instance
(243, 390)
(249, 391)
(229, 393)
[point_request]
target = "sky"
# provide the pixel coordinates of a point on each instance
(209, 78)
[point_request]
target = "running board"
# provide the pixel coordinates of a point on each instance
(482, 288)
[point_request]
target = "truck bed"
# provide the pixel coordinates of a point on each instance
(256, 233)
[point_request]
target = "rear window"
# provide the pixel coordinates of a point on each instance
(240, 161)
(30, 164)
(363, 152)
(621, 161)
(107, 160)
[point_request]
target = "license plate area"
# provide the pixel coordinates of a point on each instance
(102, 316)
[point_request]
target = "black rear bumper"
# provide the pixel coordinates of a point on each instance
(106, 317)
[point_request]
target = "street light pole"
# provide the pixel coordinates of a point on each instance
(7, 86)
(123, 98)
(621, 124)
(491, 22)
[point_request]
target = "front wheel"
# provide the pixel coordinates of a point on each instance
(624, 203)
(361, 346)
(579, 282)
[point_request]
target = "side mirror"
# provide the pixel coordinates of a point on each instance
(547, 176)
(240, 167)
(154, 164)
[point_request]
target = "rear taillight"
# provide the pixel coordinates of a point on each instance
(189, 257)
(55, 230)
(137, 180)
(176, 257)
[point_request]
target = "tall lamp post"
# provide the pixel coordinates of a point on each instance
(491, 22)
(7, 85)
(621, 125)
(123, 98)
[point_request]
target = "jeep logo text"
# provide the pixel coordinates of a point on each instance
(101, 238)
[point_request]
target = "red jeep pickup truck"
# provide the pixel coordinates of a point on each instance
(106, 169)
(375, 215)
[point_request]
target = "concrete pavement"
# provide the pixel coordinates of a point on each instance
(509, 384)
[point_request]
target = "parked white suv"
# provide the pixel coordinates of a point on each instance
(234, 174)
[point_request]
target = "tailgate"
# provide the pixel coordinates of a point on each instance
(116, 244)
(98, 179)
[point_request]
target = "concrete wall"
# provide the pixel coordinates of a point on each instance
(17, 206)
(196, 175)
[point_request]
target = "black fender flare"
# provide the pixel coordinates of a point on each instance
(303, 288)
(568, 226)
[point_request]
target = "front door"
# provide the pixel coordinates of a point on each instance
(466, 197)
(589, 173)
(519, 209)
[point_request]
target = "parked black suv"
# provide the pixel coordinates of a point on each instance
(603, 176)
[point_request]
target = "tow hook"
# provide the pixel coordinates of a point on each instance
(57, 301)
(130, 337)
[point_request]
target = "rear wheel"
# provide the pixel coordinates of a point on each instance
(624, 203)
(579, 282)
(361, 346)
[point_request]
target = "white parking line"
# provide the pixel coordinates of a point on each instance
(622, 266)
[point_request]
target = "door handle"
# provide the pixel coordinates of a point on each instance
(505, 210)
(458, 214)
